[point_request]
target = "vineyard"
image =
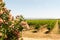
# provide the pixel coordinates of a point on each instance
(50, 23)
(43, 28)
(59, 25)
(16, 28)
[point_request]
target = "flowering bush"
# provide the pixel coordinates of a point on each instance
(9, 28)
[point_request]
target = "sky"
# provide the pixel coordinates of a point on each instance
(34, 8)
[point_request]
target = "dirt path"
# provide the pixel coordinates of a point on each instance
(39, 38)
(28, 35)
(55, 29)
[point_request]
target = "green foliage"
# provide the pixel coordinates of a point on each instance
(37, 21)
(37, 26)
(18, 27)
(2, 4)
(4, 16)
(59, 25)
(8, 28)
(11, 36)
(50, 23)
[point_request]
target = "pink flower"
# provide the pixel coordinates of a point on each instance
(1, 21)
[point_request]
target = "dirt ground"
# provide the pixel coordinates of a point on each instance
(40, 36)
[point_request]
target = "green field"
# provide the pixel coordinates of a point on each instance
(59, 25)
(40, 22)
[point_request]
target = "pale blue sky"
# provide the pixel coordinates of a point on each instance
(34, 8)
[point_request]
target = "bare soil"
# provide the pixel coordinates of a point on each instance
(41, 36)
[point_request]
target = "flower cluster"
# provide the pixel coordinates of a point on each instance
(10, 28)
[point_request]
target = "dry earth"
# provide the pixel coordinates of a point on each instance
(28, 35)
